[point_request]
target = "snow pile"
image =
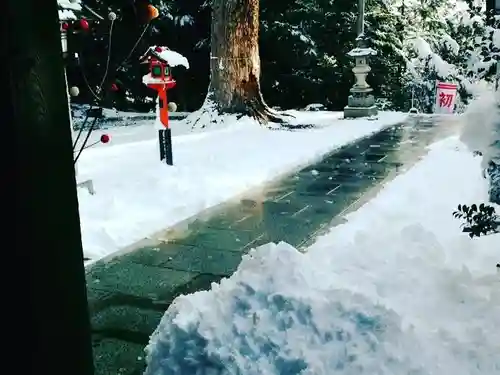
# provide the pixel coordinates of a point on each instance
(208, 117)
(137, 195)
(398, 289)
(277, 316)
(481, 130)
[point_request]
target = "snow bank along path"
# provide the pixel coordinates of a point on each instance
(398, 289)
(138, 196)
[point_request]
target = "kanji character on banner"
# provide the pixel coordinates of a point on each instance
(446, 94)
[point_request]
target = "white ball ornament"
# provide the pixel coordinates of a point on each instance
(74, 91)
(172, 107)
(112, 16)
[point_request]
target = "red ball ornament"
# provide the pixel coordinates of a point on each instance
(105, 138)
(114, 87)
(65, 26)
(159, 49)
(84, 24)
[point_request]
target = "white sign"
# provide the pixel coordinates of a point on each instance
(446, 95)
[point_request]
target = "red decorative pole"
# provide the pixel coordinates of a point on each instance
(160, 79)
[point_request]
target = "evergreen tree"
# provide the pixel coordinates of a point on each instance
(303, 50)
(384, 31)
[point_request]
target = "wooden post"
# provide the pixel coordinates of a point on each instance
(49, 303)
(361, 17)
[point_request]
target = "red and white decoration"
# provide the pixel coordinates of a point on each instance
(446, 95)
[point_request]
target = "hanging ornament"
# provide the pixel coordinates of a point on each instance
(114, 87)
(74, 91)
(84, 24)
(158, 49)
(112, 16)
(105, 138)
(65, 26)
(172, 107)
(152, 12)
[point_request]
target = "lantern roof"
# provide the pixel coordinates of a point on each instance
(362, 52)
(164, 55)
(152, 54)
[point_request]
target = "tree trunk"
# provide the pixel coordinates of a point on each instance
(235, 61)
(48, 294)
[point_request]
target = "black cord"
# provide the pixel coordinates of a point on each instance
(86, 139)
(82, 126)
(133, 48)
(96, 97)
(89, 110)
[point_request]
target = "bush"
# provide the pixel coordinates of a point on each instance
(479, 220)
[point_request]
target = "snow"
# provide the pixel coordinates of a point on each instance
(422, 47)
(137, 195)
(481, 131)
(173, 58)
(424, 51)
(397, 289)
(79, 111)
(362, 52)
(67, 8)
(451, 43)
(314, 107)
(70, 4)
(66, 15)
(474, 20)
(186, 20)
(443, 69)
(496, 38)
(149, 80)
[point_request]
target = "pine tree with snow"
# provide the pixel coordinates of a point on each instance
(384, 32)
(475, 44)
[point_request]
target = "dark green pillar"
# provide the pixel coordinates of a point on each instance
(492, 7)
(43, 264)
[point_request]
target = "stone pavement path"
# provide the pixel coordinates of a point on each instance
(129, 294)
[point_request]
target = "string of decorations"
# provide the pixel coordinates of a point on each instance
(148, 13)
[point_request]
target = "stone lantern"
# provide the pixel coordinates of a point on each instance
(361, 102)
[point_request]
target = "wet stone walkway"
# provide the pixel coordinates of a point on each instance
(129, 294)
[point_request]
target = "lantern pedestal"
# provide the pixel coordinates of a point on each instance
(165, 142)
(361, 103)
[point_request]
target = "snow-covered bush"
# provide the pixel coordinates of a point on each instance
(481, 134)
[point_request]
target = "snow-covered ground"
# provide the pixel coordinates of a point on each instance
(137, 195)
(397, 289)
